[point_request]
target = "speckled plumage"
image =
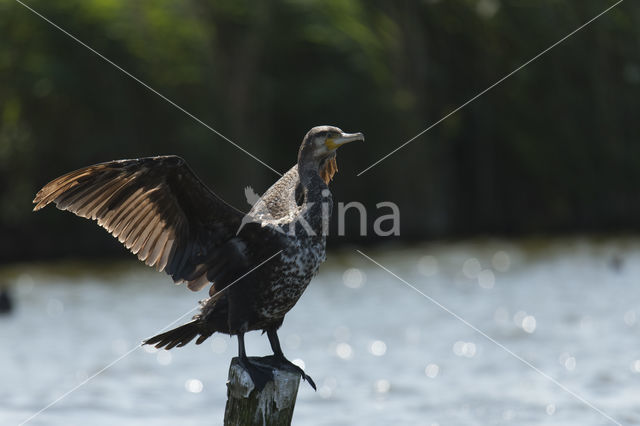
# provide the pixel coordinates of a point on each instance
(303, 241)
(296, 230)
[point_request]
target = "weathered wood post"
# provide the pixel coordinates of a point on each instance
(273, 405)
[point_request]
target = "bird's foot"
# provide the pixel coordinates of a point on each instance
(260, 375)
(297, 369)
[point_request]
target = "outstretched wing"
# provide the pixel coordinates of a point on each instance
(159, 209)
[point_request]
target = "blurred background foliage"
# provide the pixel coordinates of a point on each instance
(553, 149)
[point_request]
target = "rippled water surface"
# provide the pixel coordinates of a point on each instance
(496, 324)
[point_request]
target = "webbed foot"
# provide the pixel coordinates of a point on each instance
(260, 374)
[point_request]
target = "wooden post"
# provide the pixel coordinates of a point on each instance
(273, 405)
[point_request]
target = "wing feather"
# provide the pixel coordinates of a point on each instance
(159, 209)
(147, 227)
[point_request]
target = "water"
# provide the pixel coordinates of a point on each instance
(380, 352)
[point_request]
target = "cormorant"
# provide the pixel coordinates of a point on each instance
(6, 305)
(259, 264)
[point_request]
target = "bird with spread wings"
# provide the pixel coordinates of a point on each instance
(258, 269)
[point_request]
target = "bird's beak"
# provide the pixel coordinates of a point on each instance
(334, 143)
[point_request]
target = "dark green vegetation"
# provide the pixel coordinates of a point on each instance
(553, 149)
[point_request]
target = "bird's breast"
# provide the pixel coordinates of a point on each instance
(299, 262)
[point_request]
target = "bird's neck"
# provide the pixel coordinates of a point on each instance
(311, 181)
(318, 200)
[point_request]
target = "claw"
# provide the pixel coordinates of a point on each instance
(297, 369)
(302, 374)
(309, 380)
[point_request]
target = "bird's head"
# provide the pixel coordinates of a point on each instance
(319, 146)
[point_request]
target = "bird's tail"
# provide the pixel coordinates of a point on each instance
(179, 336)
